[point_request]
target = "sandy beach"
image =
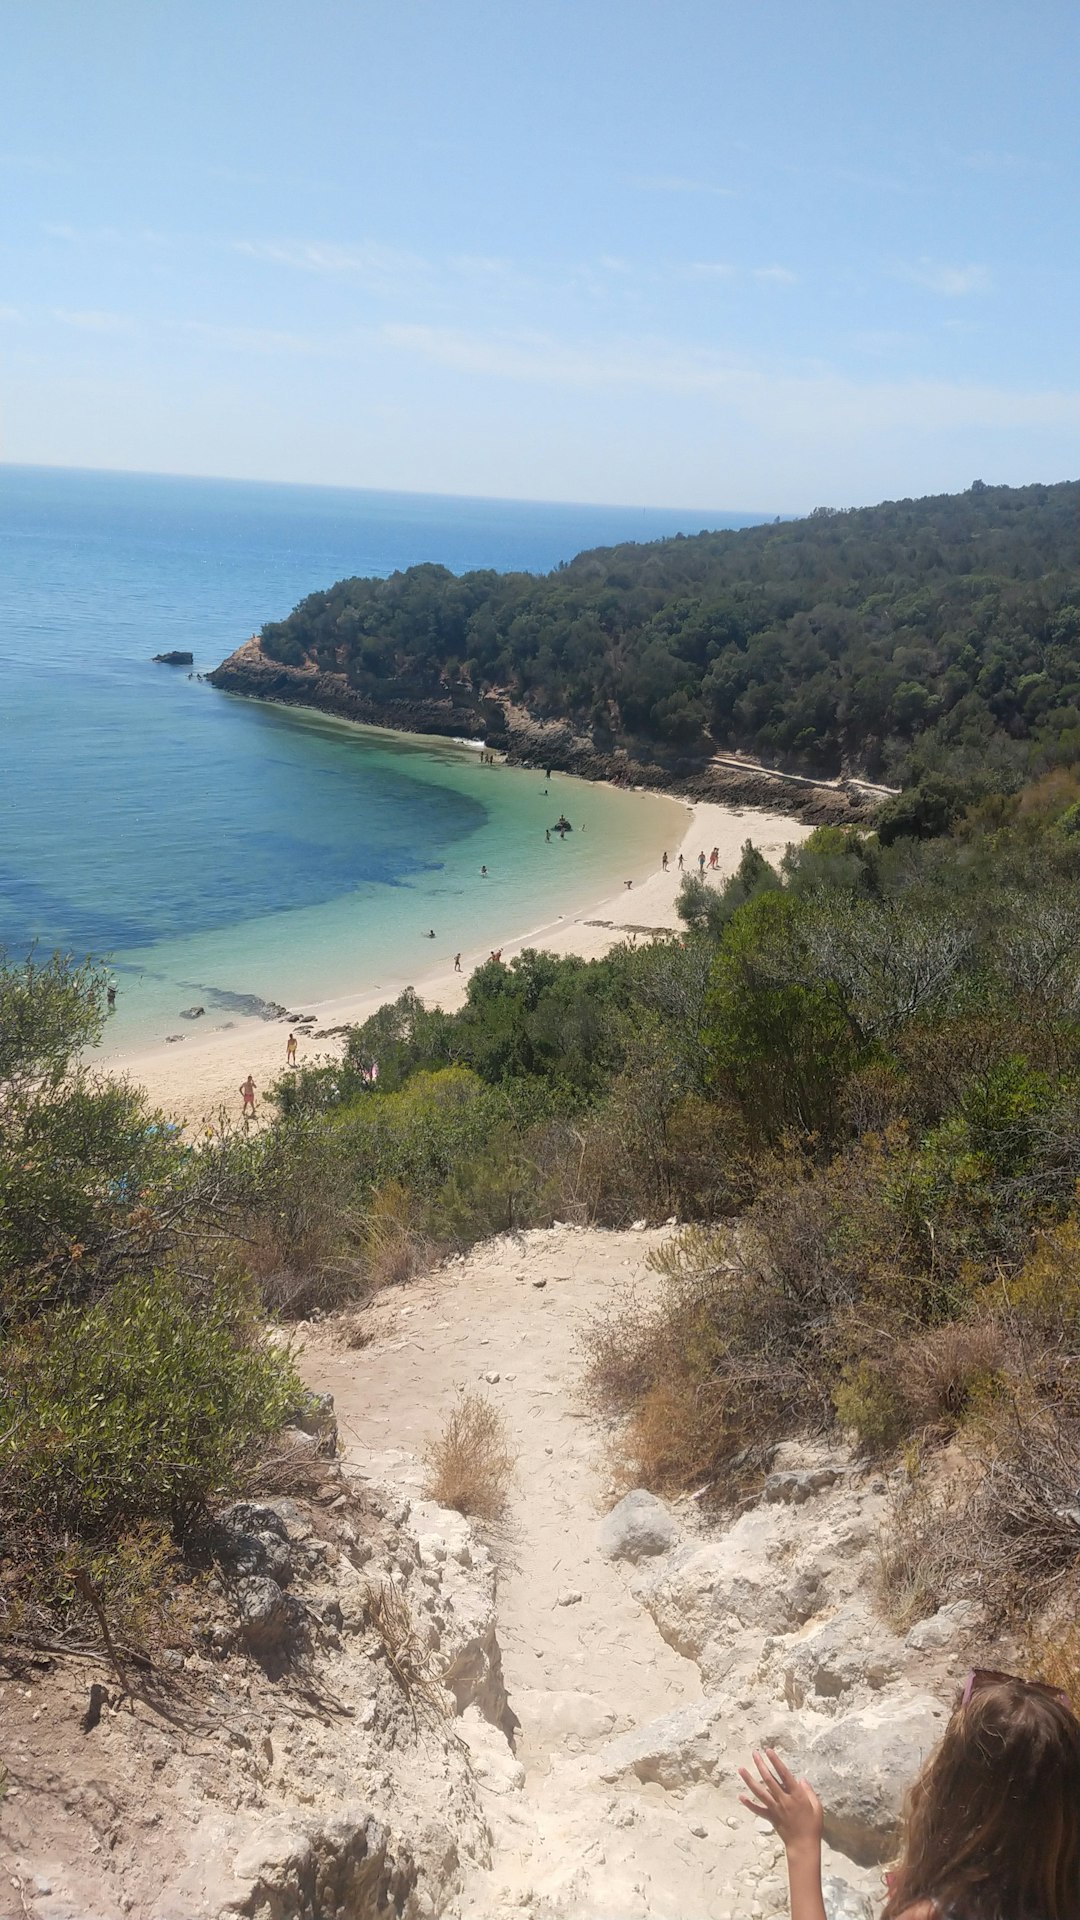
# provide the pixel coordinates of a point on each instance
(195, 1080)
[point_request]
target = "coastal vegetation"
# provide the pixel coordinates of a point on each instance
(855, 1078)
(932, 643)
(136, 1378)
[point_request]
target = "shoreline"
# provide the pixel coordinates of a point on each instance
(197, 1080)
(723, 777)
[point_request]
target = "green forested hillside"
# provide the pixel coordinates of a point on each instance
(896, 639)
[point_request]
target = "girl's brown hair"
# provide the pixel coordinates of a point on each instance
(993, 1821)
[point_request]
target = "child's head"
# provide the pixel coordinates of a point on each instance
(993, 1823)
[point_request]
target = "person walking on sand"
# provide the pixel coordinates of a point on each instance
(663, 864)
(680, 863)
(701, 863)
(457, 963)
(247, 1091)
(290, 1050)
(992, 1827)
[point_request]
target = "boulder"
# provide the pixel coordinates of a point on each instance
(706, 1598)
(267, 1617)
(944, 1628)
(675, 1750)
(250, 1538)
(177, 658)
(638, 1527)
(848, 1651)
(862, 1765)
(843, 1902)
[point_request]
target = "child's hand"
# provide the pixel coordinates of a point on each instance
(791, 1806)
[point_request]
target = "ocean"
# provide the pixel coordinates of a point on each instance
(219, 851)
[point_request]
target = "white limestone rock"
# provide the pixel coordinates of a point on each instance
(639, 1527)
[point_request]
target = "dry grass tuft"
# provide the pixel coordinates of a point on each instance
(354, 1331)
(947, 1370)
(409, 1657)
(470, 1465)
(918, 1549)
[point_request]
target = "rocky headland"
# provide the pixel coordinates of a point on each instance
(456, 711)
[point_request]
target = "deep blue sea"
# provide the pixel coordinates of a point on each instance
(212, 848)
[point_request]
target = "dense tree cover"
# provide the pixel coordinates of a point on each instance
(906, 639)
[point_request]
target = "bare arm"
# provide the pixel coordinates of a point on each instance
(793, 1809)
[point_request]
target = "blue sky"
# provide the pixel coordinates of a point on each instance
(771, 255)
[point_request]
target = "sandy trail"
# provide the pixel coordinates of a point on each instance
(198, 1079)
(578, 1670)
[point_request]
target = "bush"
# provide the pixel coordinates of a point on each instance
(139, 1408)
(945, 1374)
(470, 1465)
(869, 1405)
(297, 1226)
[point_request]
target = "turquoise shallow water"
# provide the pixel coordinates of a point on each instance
(214, 848)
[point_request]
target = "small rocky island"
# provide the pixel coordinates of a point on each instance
(175, 659)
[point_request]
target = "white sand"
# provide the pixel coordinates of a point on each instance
(195, 1079)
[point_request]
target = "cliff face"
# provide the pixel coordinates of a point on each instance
(524, 740)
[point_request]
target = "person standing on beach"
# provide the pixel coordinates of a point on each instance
(680, 863)
(663, 864)
(457, 963)
(247, 1091)
(290, 1050)
(701, 864)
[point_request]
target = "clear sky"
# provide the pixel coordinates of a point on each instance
(771, 255)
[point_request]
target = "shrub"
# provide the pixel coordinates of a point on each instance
(391, 1249)
(704, 1374)
(139, 1408)
(470, 1465)
(297, 1224)
(943, 1374)
(1046, 1291)
(869, 1405)
(923, 1546)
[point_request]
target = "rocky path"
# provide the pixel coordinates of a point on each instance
(583, 1660)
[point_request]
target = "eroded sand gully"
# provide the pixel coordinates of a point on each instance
(583, 1659)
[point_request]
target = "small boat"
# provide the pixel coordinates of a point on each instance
(562, 825)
